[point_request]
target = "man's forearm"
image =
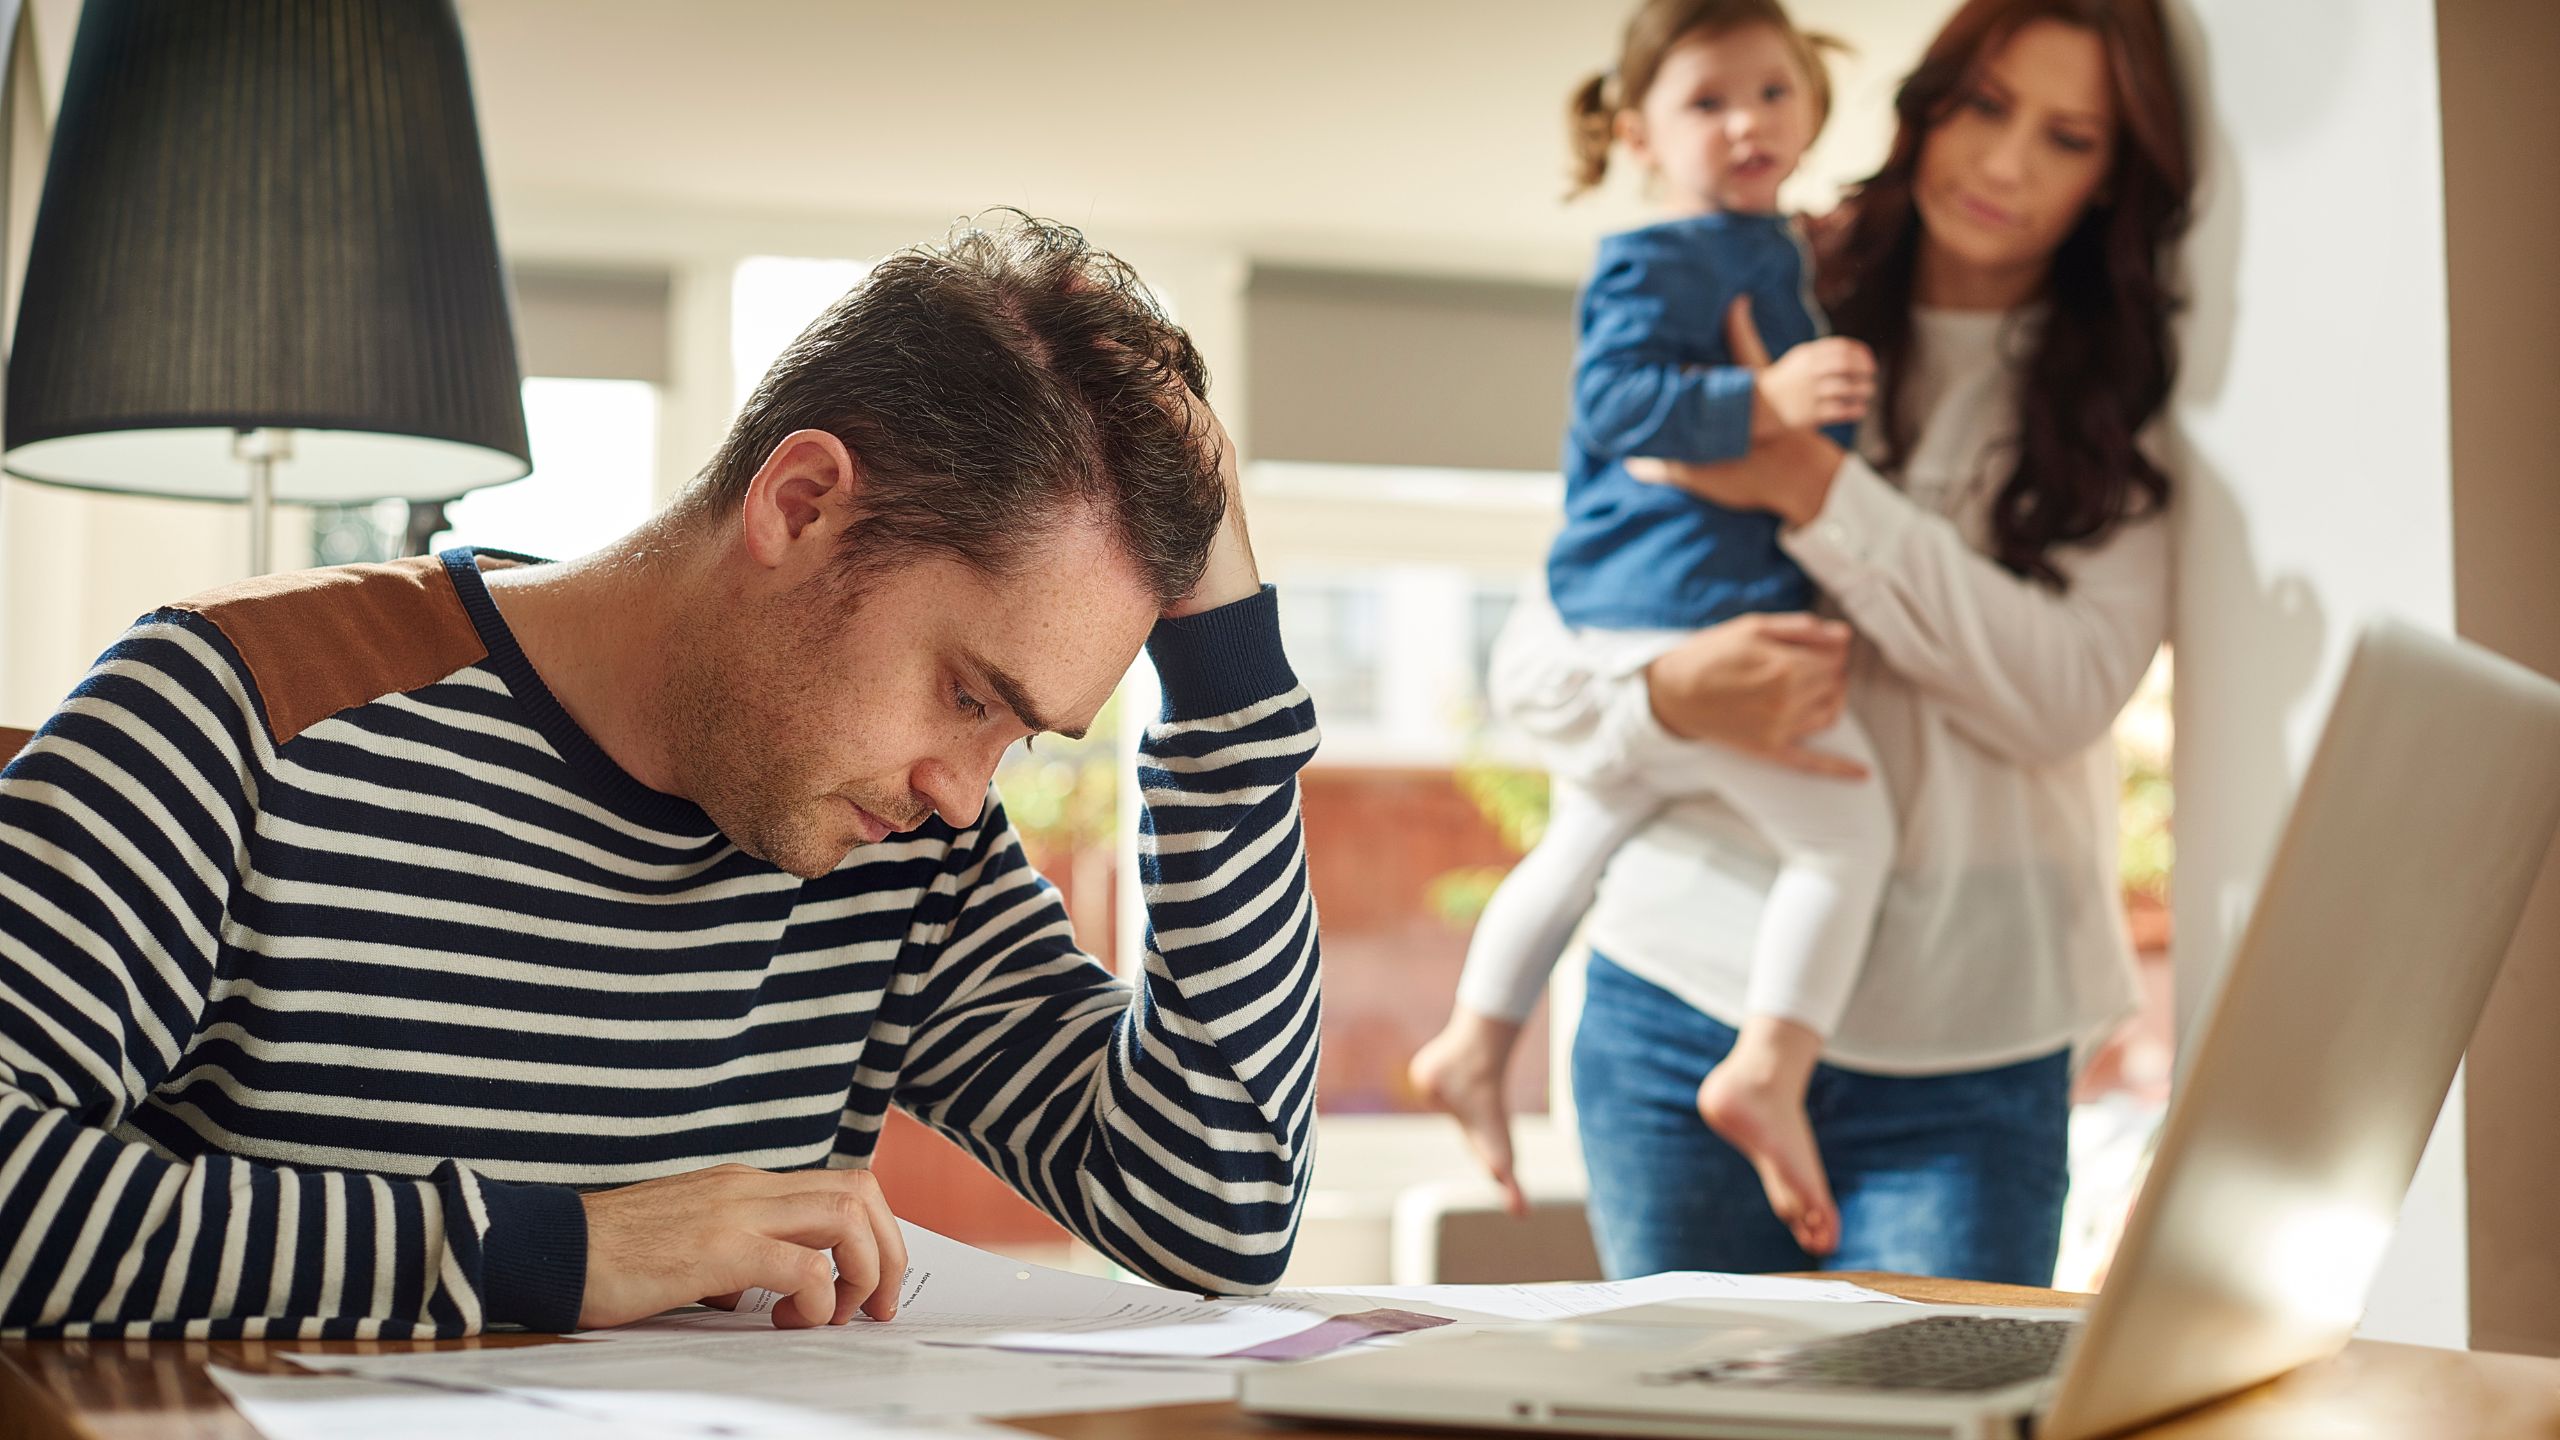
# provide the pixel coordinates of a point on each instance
(116, 1240)
(1168, 1125)
(1216, 1099)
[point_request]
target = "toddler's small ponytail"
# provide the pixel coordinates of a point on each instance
(1590, 127)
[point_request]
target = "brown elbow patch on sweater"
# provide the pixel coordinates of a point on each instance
(320, 641)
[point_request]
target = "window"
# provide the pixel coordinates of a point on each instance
(595, 344)
(351, 534)
(2121, 1096)
(1488, 610)
(595, 449)
(1331, 631)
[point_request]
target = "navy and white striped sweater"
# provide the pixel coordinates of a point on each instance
(333, 955)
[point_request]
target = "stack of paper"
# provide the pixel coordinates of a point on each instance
(977, 1336)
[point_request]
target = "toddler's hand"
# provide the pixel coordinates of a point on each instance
(1821, 382)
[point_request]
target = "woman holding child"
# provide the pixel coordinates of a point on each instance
(1846, 941)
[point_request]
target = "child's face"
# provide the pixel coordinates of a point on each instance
(1725, 121)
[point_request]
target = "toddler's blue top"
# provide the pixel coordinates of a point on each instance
(1653, 376)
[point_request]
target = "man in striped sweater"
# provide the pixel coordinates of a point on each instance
(405, 949)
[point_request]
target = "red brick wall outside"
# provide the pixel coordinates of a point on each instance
(1376, 839)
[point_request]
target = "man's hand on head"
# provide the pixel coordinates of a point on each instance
(672, 1241)
(1231, 574)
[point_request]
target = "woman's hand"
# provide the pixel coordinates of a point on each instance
(1790, 468)
(1763, 684)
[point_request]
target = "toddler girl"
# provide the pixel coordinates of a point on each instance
(1718, 100)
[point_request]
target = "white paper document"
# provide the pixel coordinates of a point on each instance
(908, 1368)
(1202, 1331)
(949, 1286)
(334, 1407)
(874, 1375)
(957, 1294)
(976, 1336)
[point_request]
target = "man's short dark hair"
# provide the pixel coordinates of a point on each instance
(986, 385)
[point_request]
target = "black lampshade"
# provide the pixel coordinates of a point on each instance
(267, 213)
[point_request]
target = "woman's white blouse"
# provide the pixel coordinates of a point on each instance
(1989, 700)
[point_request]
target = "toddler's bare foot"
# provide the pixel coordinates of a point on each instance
(1460, 1071)
(1755, 1100)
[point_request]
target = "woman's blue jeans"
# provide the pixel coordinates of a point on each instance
(1958, 1175)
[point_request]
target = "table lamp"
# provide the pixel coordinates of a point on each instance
(264, 266)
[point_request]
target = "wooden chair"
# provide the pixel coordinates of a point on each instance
(13, 741)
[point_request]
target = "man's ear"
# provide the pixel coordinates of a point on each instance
(802, 498)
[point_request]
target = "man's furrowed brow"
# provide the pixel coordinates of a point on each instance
(1017, 700)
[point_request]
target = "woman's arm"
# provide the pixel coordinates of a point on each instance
(2035, 674)
(1762, 684)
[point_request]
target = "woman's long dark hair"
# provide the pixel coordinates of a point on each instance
(2104, 363)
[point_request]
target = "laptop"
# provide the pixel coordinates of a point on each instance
(2307, 1097)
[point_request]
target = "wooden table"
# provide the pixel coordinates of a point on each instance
(157, 1390)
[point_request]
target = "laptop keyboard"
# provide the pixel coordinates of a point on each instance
(1943, 1352)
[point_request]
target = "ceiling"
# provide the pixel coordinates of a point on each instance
(1412, 134)
(1415, 133)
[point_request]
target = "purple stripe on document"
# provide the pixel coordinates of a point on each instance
(1339, 1331)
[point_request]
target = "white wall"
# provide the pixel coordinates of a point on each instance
(2319, 488)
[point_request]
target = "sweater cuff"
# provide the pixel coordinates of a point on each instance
(1221, 660)
(1860, 522)
(533, 1266)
